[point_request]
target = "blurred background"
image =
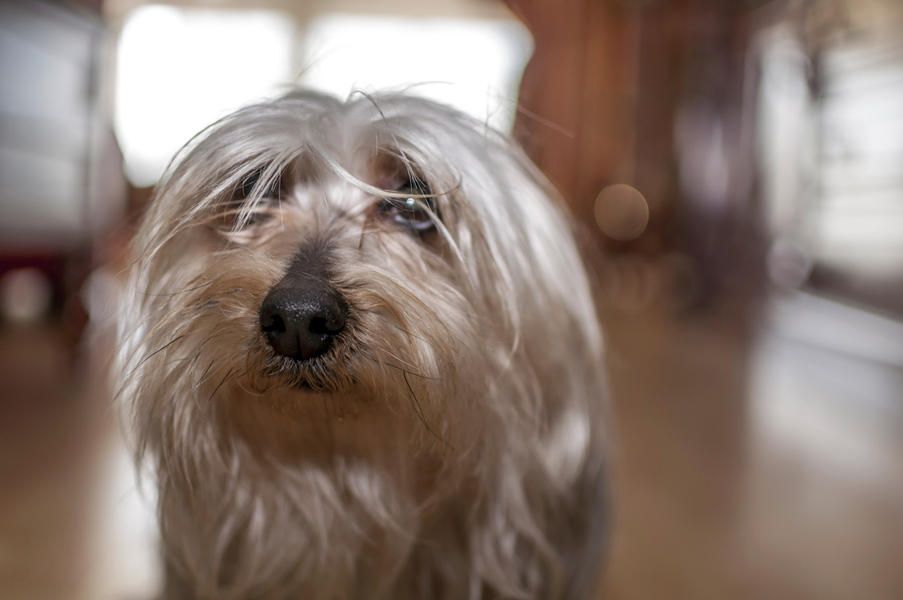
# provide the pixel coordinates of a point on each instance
(736, 172)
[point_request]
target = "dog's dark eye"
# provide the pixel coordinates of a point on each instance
(251, 181)
(412, 212)
(262, 209)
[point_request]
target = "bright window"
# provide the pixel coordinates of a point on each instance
(472, 64)
(180, 69)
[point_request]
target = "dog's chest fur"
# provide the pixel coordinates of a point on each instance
(349, 530)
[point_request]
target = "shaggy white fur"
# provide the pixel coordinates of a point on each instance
(449, 444)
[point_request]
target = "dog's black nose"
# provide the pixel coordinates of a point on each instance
(301, 322)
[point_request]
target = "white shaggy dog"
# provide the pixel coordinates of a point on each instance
(360, 355)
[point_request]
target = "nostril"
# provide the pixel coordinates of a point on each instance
(272, 323)
(319, 326)
(326, 324)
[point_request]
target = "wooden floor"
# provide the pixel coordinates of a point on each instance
(759, 461)
(756, 458)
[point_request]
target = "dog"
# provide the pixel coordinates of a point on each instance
(360, 358)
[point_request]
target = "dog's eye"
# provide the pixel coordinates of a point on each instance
(251, 181)
(262, 210)
(414, 211)
(259, 216)
(234, 216)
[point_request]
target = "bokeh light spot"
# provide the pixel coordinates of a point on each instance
(25, 295)
(621, 212)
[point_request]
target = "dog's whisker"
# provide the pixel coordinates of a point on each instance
(204, 374)
(407, 368)
(238, 382)
(202, 286)
(220, 384)
(408, 332)
(418, 410)
(156, 352)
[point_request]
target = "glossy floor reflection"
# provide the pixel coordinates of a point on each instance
(72, 523)
(760, 462)
(757, 461)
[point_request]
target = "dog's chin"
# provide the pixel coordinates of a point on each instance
(327, 374)
(294, 411)
(302, 381)
(304, 385)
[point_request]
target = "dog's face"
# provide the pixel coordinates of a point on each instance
(349, 324)
(381, 277)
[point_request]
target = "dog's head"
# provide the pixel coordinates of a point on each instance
(321, 277)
